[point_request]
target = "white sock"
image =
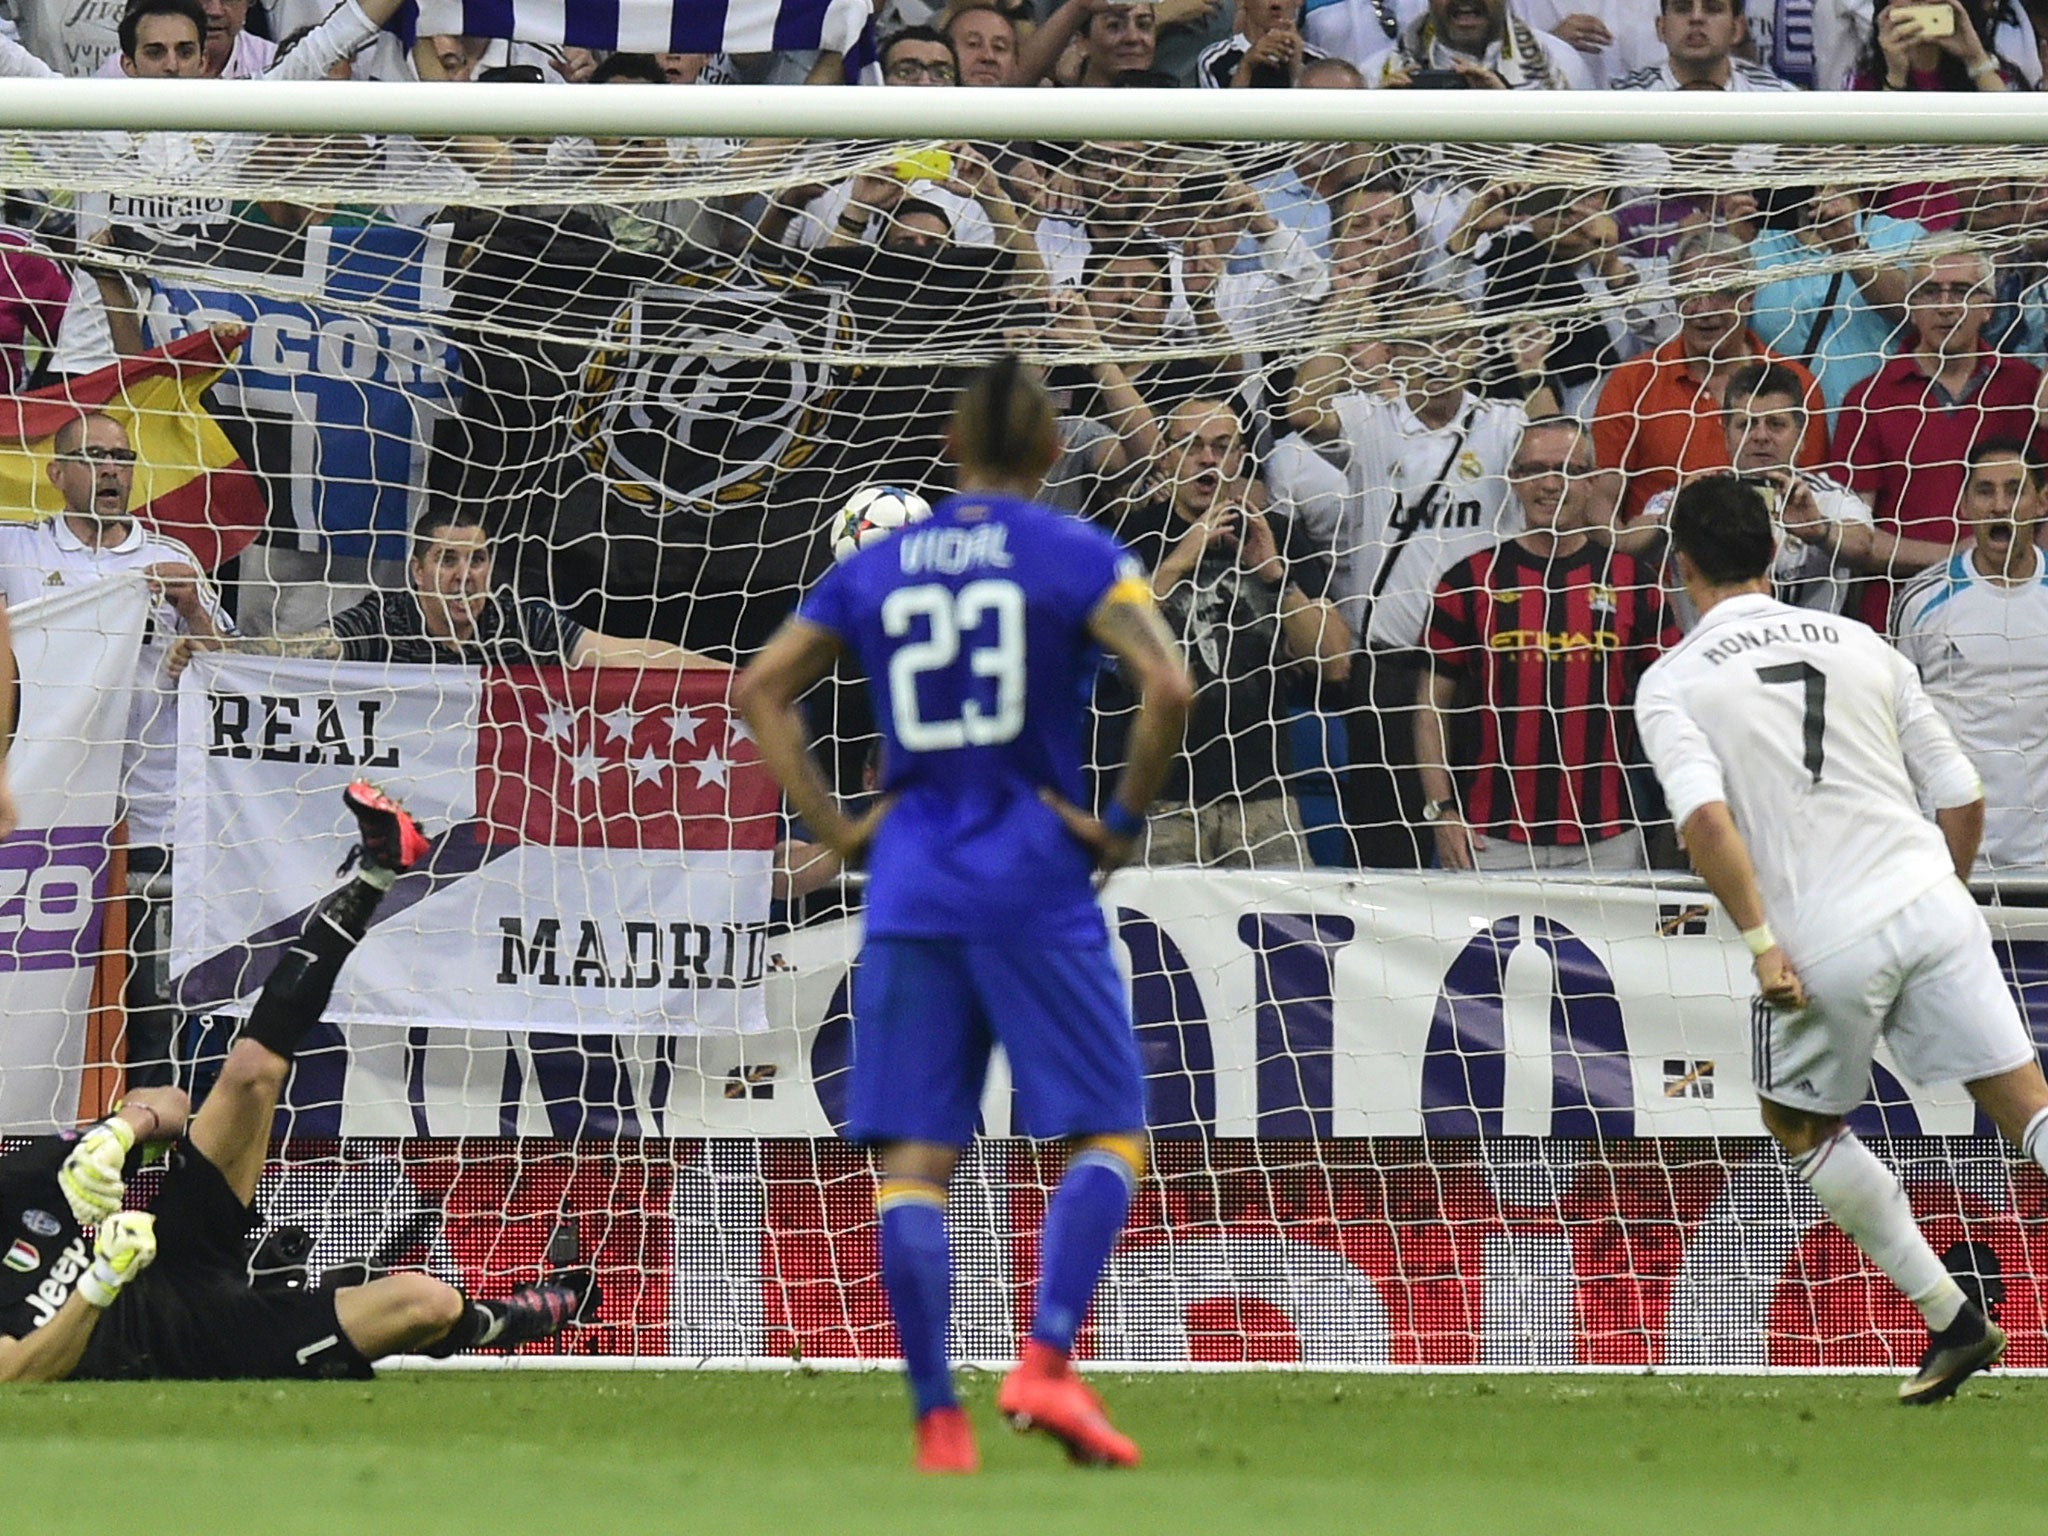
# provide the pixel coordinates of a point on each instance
(1869, 1204)
(2034, 1139)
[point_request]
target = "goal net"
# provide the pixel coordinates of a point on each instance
(1404, 1115)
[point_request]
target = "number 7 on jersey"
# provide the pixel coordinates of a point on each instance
(1816, 683)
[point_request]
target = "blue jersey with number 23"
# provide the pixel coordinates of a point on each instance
(973, 629)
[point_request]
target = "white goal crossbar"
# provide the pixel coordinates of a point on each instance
(1491, 117)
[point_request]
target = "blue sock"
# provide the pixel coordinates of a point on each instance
(1081, 1228)
(917, 1272)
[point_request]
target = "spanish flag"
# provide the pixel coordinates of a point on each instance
(190, 483)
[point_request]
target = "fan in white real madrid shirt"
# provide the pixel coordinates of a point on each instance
(1795, 749)
(1614, 38)
(94, 538)
(1266, 50)
(1700, 38)
(1977, 628)
(1426, 468)
(1479, 38)
(233, 52)
(1400, 486)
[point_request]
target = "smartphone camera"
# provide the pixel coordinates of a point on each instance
(1765, 487)
(1935, 20)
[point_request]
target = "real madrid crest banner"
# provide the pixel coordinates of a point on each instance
(601, 842)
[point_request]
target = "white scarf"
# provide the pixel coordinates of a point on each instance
(1518, 58)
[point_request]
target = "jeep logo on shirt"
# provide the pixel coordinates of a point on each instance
(55, 1290)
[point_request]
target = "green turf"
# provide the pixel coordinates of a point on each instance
(575, 1453)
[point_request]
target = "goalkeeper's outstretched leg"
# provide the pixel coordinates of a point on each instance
(397, 1314)
(232, 1130)
(415, 1314)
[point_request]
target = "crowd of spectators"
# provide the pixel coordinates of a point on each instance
(1394, 429)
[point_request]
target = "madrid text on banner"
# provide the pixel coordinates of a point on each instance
(601, 843)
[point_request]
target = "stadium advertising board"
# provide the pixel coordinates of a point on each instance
(1302, 1005)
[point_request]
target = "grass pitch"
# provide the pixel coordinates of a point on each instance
(503, 1453)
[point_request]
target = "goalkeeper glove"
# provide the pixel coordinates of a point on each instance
(125, 1248)
(91, 1176)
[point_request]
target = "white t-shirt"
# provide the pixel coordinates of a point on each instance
(1982, 651)
(1260, 305)
(1216, 65)
(1309, 482)
(1743, 76)
(1804, 575)
(1822, 743)
(37, 558)
(1633, 23)
(1387, 585)
(73, 37)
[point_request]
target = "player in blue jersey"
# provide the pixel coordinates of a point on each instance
(981, 632)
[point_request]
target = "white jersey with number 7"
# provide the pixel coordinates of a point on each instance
(1821, 741)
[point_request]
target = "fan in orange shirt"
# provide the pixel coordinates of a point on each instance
(1660, 414)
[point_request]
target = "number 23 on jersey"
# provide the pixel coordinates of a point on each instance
(981, 627)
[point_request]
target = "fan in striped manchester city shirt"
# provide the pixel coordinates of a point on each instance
(1553, 647)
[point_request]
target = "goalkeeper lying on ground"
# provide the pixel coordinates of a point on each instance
(166, 1292)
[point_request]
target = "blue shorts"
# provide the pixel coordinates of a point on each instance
(927, 1011)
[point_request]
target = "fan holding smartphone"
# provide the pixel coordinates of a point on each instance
(1933, 45)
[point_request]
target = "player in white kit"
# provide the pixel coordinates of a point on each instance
(1795, 749)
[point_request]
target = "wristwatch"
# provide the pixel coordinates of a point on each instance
(1440, 810)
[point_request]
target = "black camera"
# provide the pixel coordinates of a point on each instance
(1766, 486)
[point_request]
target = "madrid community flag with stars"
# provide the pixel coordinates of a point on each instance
(601, 842)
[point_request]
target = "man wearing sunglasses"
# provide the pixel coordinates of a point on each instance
(96, 537)
(1539, 641)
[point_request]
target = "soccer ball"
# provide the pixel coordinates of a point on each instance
(871, 514)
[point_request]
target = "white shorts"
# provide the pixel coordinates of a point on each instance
(1926, 982)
